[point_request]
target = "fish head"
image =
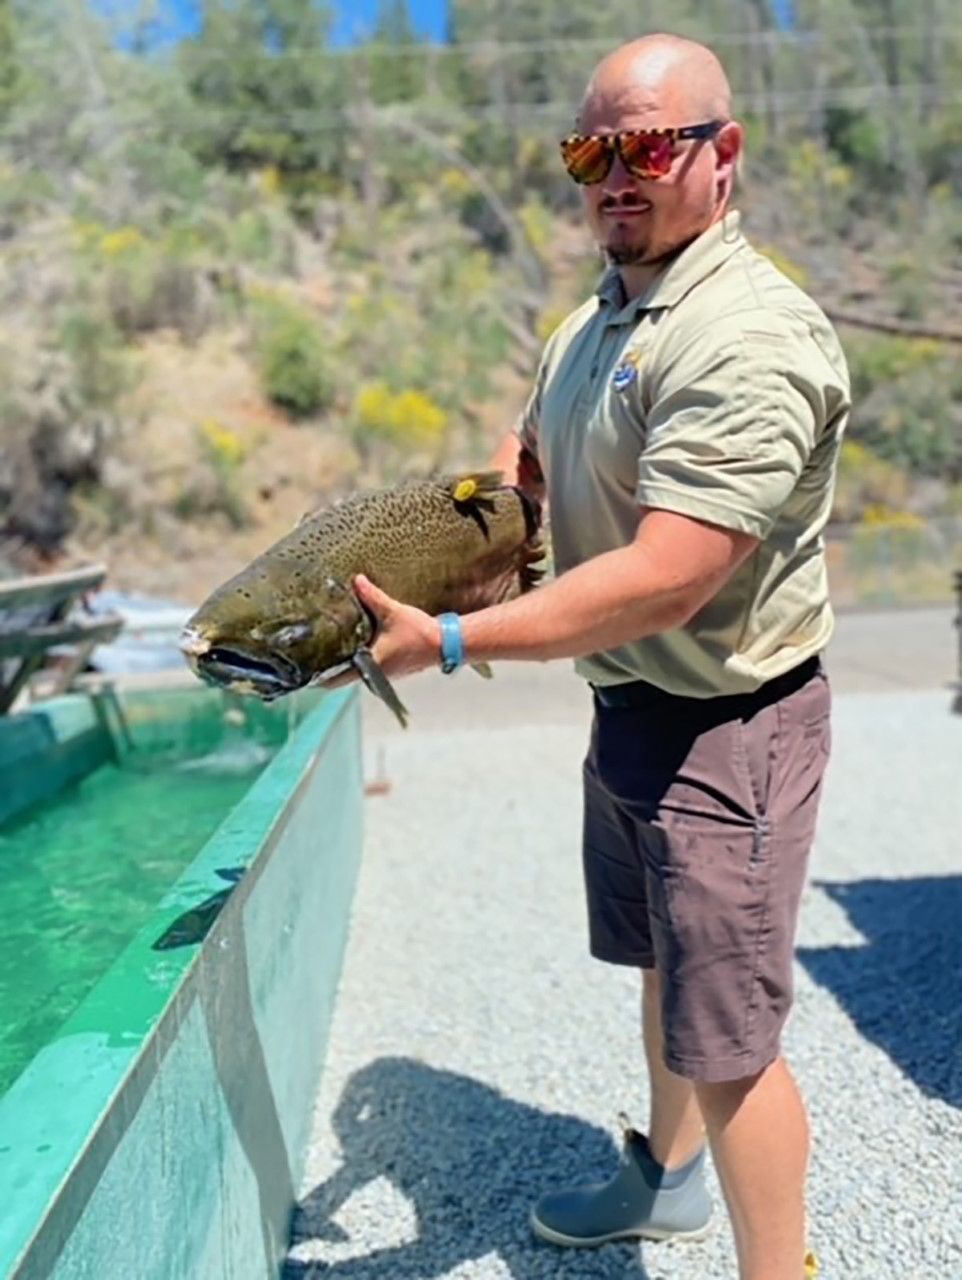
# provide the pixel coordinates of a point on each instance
(269, 636)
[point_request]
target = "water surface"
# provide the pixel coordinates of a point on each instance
(82, 874)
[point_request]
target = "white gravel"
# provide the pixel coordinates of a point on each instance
(478, 1055)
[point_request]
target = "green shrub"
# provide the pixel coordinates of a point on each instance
(262, 238)
(865, 481)
(215, 486)
(144, 282)
(909, 287)
(103, 367)
(291, 356)
(884, 359)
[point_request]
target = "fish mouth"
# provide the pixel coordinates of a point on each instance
(267, 675)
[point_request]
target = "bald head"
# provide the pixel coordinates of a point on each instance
(663, 75)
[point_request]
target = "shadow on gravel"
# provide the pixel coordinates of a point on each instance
(903, 987)
(470, 1161)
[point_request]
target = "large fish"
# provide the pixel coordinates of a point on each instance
(292, 618)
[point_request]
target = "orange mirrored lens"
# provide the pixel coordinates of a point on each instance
(587, 159)
(646, 155)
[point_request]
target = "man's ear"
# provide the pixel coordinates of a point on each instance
(728, 151)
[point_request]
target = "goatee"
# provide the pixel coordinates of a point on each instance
(627, 255)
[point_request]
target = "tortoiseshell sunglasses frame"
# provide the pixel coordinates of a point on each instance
(614, 142)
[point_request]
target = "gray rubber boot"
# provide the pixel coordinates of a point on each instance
(634, 1203)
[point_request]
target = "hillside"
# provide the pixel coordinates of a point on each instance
(218, 309)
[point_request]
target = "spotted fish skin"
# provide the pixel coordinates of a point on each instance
(458, 542)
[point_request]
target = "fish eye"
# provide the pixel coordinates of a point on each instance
(291, 634)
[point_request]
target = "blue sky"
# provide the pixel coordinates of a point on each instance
(428, 16)
(352, 17)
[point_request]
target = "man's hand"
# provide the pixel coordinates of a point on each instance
(407, 639)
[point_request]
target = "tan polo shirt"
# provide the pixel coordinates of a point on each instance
(722, 393)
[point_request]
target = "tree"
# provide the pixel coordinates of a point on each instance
(395, 56)
(265, 85)
(9, 71)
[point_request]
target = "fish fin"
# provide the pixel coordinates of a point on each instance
(533, 509)
(529, 576)
(473, 494)
(475, 486)
(378, 683)
(483, 669)
(533, 566)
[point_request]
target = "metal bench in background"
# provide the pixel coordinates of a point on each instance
(41, 618)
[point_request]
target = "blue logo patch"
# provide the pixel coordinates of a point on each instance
(624, 376)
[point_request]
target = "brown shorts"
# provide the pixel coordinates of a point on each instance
(699, 816)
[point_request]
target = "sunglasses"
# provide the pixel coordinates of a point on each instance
(645, 153)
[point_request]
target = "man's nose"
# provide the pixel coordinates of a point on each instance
(619, 180)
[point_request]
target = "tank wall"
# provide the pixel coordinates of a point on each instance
(44, 750)
(176, 1156)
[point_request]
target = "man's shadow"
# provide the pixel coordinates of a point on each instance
(902, 987)
(470, 1161)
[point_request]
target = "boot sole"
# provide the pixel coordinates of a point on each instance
(587, 1242)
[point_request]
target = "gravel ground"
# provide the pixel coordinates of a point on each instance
(479, 1056)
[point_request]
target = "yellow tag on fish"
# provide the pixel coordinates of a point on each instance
(464, 490)
(811, 1265)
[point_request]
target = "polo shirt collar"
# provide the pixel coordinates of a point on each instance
(695, 262)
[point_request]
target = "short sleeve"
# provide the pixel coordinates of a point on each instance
(733, 420)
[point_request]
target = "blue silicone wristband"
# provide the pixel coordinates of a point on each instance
(452, 643)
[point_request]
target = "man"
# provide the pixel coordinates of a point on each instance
(686, 423)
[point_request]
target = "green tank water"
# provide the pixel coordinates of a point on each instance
(83, 872)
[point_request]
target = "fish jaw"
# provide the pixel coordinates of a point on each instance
(266, 676)
(192, 643)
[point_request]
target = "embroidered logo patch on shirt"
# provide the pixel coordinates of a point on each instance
(626, 372)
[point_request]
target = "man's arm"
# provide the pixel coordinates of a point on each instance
(663, 577)
(671, 569)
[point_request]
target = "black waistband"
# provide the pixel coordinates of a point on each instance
(639, 693)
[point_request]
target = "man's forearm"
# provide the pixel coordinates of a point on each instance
(613, 599)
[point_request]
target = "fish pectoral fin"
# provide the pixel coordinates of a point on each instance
(379, 684)
(483, 669)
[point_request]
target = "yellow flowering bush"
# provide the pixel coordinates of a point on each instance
(215, 487)
(785, 264)
(548, 320)
(878, 515)
(222, 443)
(538, 224)
(866, 482)
(120, 241)
(455, 182)
(268, 180)
(407, 417)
